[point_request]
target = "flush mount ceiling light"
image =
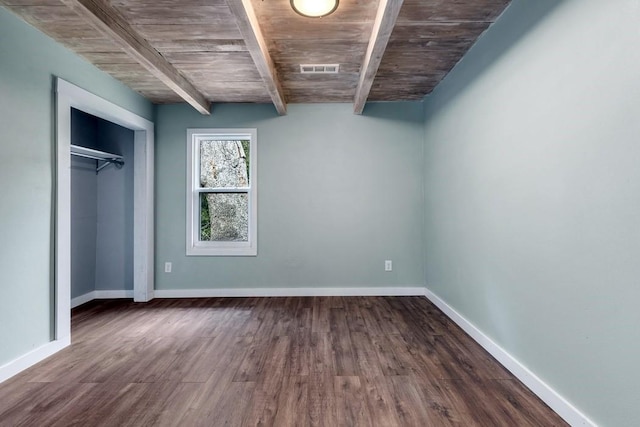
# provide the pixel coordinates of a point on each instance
(314, 8)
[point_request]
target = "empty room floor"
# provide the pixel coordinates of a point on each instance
(321, 361)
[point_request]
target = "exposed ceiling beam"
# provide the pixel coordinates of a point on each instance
(250, 30)
(382, 27)
(112, 24)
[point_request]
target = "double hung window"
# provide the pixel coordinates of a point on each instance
(221, 192)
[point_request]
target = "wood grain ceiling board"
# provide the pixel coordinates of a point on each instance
(161, 32)
(188, 20)
(451, 10)
(235, 91)
(227, 90)
(44, 12)
(429, 39)
(222, 76)
(303, 88)
(201, 45)
(338, 38)
(337, 94)
(292, 53)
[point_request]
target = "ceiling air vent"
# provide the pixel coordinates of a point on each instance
(319, 68)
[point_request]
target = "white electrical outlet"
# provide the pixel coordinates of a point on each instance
(388, 265)
(167, 267)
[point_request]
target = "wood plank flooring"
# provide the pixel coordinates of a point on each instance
(326, 361)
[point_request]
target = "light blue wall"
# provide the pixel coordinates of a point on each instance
(28, 63)
(532, 195)
(338, 194)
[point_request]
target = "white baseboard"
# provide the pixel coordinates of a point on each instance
(90, 296)
(554, 400)
(113, 294)
(290, 292)
(34, 356)
(83, 299)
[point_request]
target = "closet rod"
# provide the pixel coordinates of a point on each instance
(100, 156)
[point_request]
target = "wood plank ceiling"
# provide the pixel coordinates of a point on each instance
(202, 51)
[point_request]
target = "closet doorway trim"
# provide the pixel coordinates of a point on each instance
(71, 96)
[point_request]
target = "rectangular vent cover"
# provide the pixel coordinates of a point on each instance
(319, 68)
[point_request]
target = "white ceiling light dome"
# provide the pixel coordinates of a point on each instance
(314, 8)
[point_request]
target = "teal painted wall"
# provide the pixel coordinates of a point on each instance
(28, 63)
(532, 196)
(338, 194)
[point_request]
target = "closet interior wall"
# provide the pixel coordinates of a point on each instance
(101, 209)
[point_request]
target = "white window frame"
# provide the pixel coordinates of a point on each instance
(195, 247)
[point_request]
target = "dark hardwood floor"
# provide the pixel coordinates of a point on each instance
(330, 361)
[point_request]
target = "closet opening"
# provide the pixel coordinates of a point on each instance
(101, 209)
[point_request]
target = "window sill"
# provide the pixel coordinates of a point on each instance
(218, 251)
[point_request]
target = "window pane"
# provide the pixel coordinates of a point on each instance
(224, 164)
(224, 217)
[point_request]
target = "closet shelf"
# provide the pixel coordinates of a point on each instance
(100, 156)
